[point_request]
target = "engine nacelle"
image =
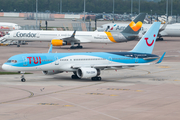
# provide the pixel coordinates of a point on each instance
(56, 42)
(51, 72)
(87, 72)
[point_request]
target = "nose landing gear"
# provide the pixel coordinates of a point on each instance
(22, 77)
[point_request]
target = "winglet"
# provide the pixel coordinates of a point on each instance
(73, 33)
(50, 49)
(160, 60)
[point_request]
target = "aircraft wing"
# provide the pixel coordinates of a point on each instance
(71, 39)
(118, 65)
(65, 41)
(102, 66)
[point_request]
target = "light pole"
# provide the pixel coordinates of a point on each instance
(151, 16)
(167, 10)
(113, 12)
(171, 7)
(139, 6)
(131, 7)
(36, 11)
(84, 9)
(60, 6)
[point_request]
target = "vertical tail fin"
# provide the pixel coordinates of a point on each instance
(135, 26)
(146, 44)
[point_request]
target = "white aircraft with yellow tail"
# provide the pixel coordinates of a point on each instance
(61, 38)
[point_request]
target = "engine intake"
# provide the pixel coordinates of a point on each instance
(87, 72)
(56, 42)
(51, 72)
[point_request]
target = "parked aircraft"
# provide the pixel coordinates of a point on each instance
(166, 30)
(9, 26)
(60, 38)
(89, 64)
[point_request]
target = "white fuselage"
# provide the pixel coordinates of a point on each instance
(83, 36)
(171, 30)
(9, 26)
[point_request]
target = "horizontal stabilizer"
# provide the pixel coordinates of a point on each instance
(150, 58)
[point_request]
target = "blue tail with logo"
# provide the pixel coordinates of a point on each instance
(147, 42)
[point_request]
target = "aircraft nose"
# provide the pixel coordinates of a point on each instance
(5, 67)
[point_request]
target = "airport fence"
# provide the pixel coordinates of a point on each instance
(81, 26)
(40, 16)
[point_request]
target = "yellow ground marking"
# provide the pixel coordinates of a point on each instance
(68, 105)
(138, 90)
(163, 66)
(176, 80)
(113, 95)
(109, 35)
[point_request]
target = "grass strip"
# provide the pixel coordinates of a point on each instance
(11, 73)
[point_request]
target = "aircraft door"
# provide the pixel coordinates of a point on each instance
(110, 59)
(136, 58)
(38, 35)
(25, 61)
(56, 60)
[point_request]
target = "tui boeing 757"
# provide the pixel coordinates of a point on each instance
(89, 64)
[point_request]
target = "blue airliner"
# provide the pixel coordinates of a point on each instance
(88, 64)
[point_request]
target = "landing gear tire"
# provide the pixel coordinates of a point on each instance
(23, 80)
(80, 47)
(75, 77)
(96, 78)
(76, 47)
(158, 39)
(18, 45)
(22, 77)
(73, 47)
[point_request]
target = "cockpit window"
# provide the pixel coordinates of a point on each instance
(8, 34)
(8, 61)
(12, 61)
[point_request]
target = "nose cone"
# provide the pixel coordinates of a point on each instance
(6, 67)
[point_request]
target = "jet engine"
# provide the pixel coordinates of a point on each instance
(51, 72)
(56, 42)
(87, 72)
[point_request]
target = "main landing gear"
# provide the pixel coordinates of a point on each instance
(75, 76)
(18, 43)
(22, 77)
(96, 78)
(160, 38)
(77, 47)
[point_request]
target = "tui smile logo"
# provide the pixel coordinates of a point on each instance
(136, 26)
(151, 42)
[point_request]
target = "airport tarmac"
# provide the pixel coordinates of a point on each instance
(139, 93)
